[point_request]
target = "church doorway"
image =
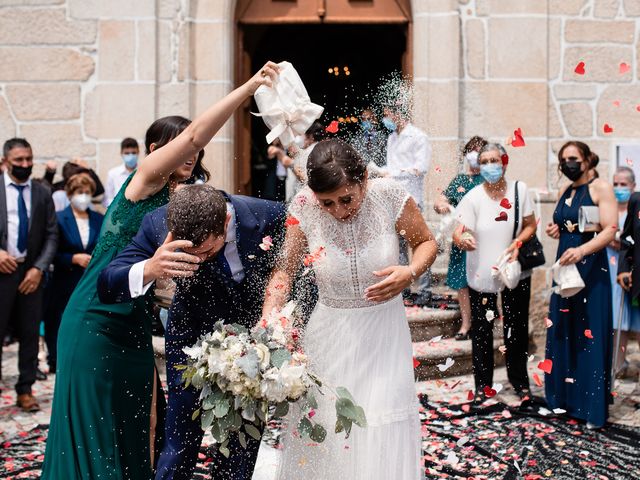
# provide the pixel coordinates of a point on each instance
(341, 61)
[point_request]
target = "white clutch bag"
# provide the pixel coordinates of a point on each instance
(286, 108)
(567, 278)
(508, 272)
(589, 219)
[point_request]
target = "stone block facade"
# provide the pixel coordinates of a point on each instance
(89, 72)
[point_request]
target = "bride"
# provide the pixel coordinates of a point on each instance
(358, 335)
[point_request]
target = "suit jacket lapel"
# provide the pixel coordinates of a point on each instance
(247, 230)
(72, 228)
(35, 198)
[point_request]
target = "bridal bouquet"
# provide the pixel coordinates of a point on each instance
(240, 373)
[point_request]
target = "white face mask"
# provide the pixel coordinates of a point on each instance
(81, 201)
(472, 158)
(299, 141)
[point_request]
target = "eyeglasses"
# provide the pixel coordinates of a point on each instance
(570, 159)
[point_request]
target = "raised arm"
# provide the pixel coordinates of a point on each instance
(291, 255)
(154, 170)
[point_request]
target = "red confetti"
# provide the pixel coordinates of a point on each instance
(579, 68)
(616, 103)
(416, 362)
(309, 259)
(546, 366)
(518, 140)
(638, 108)
(607, 128)
(502, 217)
(333, 127)
(504, 203)
(624, 68)
(470, 395)
(564, 310)
(588, 334)
(489, 392)
(505, 159)
(465, 408)
(291, 221)
(536, 378)
(629, 162)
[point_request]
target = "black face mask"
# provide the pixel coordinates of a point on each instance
(571, 170)
(21, 174)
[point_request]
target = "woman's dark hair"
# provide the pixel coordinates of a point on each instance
(332, 164)
(585, 152)
(474, 143)
(165, 129)
(316, 131)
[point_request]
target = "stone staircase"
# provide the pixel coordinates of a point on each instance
(432, 329)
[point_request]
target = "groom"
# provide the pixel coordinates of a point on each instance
(210, 243)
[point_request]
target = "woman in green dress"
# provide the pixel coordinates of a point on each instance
(107, 401)
(448, 200)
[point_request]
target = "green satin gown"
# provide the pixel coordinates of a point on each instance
(100, 421)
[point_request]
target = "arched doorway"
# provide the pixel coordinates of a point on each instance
(363, 40)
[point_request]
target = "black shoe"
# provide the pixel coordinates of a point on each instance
(479, 398)
(52, 369)
(40, 375)
(462, 336)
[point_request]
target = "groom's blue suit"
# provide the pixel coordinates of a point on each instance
(211, 295)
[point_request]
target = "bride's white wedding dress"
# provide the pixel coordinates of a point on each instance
(361, 345)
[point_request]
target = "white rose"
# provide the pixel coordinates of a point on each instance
(263, 354)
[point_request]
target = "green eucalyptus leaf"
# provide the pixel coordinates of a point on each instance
(305, 427)
(195, 414)
(243, 439)
(221, 408)
(253, 431)
(206, 419)
(281, 410)
(318, 433)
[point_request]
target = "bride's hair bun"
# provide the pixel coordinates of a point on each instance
(332, 164)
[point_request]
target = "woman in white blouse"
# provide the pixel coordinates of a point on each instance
(79, 229)
(486, 229)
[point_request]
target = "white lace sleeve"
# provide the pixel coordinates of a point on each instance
(395, 196)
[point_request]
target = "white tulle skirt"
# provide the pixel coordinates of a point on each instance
(368, 351)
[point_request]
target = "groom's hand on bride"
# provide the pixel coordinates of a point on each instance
(169, 263)
(397, 279)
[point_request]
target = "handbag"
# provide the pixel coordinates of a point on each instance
(531, 252)
(589, 219)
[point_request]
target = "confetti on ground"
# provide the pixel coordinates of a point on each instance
(580, 68)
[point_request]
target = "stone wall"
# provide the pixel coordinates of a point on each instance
(78, 75)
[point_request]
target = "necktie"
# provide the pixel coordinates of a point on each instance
(23, 218)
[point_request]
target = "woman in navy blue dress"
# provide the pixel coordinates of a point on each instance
(579, 343)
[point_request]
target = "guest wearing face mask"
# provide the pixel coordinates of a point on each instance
(487, 228)
(129, 151)
(304, 145)
(408, 159)
(624, 184)
(579, 340)
(446, 203)
(371, 142)
(79, 229)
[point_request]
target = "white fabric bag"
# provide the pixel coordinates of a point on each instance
(508, 272)
(567, 278)
(286, 108)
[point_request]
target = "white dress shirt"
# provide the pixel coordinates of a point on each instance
(408, 159)
(83, 230)
(136, 273)
(13, 220)
(115, 179)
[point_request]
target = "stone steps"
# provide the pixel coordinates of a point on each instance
(430, 354)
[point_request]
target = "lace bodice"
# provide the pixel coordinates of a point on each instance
(346, 253)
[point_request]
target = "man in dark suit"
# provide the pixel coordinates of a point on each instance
(629, 256)
(215, 240)
(28, 242)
